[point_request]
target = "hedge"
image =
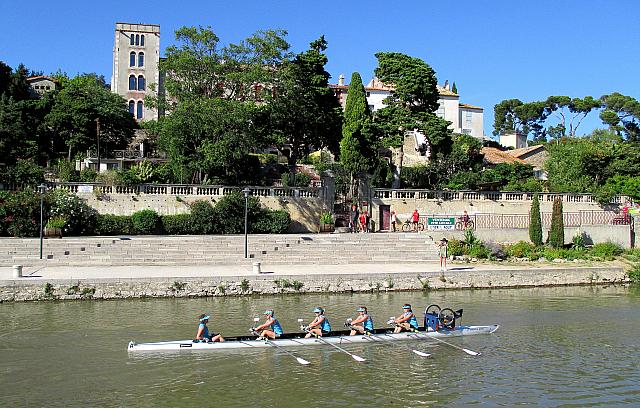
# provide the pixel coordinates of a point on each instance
(108, 224)
(179, 224)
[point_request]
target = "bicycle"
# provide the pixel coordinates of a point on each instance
(409, 226)
(462, 225)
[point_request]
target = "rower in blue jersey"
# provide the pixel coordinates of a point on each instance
(203, 335)
(362, 324)
(271, 328)
(319, 326)
(406, 321)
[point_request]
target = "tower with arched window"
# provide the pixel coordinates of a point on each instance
(136, 58)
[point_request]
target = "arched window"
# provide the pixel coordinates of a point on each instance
(141, 83)
(132, 108)
(141, 59)
(132, 39)
(132, 83)
(140, 110)
(137, 39)
(142, 40)
(132, 59)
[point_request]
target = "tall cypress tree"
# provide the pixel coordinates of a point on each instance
(356, 151)
(556, 234)
(535, 222)
(454, 88)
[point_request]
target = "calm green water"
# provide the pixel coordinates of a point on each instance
(556, 347)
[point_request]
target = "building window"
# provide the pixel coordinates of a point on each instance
(132, 108)
(142, 40)
(440, 111)
(141, 59)
(371, 108)
(132, 59)
(141, 83)
(132, 83)
(131, 39)
(368, 94)
(140, 110)
(468, 118)
(137, 39)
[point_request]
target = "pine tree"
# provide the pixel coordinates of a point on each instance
(556, 234)
(454, 88)
(535, 222)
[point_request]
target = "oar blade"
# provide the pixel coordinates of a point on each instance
(302, 361)
(358, 358)
(471, 352)
(421, 354)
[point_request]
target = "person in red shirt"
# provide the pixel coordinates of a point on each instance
(363, 221)
(415, 218)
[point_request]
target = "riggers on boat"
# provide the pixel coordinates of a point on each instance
(438, 323)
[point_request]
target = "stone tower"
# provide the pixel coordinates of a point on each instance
(136, 58)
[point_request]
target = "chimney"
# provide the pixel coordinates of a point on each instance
(341, 80)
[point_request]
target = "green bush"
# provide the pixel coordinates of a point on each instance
(204, 218)
(230, 213)
(145, 222)
(521, 249)
(479, 251)
(302, 180)
(179, 224)
(80, 217)
(559, 253)
(326, 218)
(272, 222)
(456, 247)
(606, 250)
(23, 173)
(88, 175)
(634, 273)
(109, 177)
(20, 213)
(66, 171)
(108, 224)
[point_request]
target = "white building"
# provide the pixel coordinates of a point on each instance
(515, 140)
(464, 118)
(136, 59)
(39, 85)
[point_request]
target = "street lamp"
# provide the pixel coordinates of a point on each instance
(41, 189)
(246, 192)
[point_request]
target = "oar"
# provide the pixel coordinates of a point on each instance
(374, 337)
(469, 352)
(320, 339)
(271, 343)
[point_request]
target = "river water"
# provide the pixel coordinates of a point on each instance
(556, 347)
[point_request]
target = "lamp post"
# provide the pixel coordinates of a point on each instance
(41, 189)
(98, 137)
(246, 192)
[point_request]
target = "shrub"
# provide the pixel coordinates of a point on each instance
(556, 234)
(479, 251)
(66, 171)
(578, 241)
(80, 217)
(470, 238)
(272, 222)
(179, 224)
(634, 273)
(204, 218)
(145, 222)
(23, 173)
(606, 250)
(326, 218)
(301, 180)
(456, 247)
(535, 223)
(56, 222)
(88, 175)
(230, 213)
(108, 224)
(109, 177)
(20, 213)
(521, 249)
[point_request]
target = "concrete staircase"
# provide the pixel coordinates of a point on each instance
(221, 249)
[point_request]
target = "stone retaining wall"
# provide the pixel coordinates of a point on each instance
(28, 289)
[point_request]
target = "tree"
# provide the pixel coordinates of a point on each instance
(556, 233)
(77, 107)
(512, 115)
(535, 222)
(454, 88)
(357, 152)
(304, 113)
(622, 114)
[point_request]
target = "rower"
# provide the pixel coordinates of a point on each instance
(319, 326)
(271, 328)
(362, 324)
(203, 332)
(406, 321)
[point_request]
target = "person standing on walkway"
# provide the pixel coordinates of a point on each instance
(443, 249)
(415, 217)
(363, 222)
(353, 218)
(393, 221)
(203, 332)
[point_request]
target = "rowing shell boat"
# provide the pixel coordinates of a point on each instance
(297, 339)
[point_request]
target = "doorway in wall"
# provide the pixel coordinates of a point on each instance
(385, 217)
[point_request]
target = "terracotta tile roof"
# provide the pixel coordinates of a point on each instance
(35, 78)
(497, 156)
(376, 85)
(525, 150)
(467, 106)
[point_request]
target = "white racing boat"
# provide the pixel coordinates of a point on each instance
(297, 339)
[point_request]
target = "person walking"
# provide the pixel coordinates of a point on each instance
(353, 218)
(393, 221)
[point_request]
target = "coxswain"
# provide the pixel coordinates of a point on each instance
(271, 328)
(319, 326)
(406, 321)
(203, 332)
(362, 324)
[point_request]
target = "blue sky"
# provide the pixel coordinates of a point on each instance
(493, 50)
